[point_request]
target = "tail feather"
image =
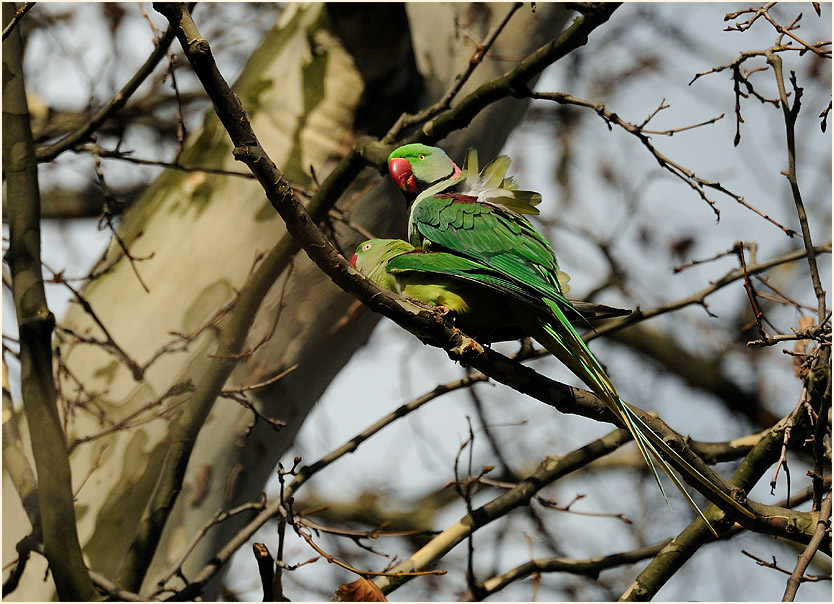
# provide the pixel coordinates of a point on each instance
(559, 337)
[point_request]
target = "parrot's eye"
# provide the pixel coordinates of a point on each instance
(366, 247)
(421, 156)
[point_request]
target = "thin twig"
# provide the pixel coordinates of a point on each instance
(18, 15)
(695, 182)
(107, 218)
(125, 156)
(700, 297)
(108, 343)
(219, 517)
(460, 80)
(362, 573)
(50, 152)
(790, 113)
(751, 294)
(805, 559)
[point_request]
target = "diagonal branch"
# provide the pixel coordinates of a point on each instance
(823, 524)
(15, 20)
(549, 470)
(460, 80)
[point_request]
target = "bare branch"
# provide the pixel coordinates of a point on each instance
(444, 103)
(798, 573)
(18, 15)
(35, 323)
(695, 182)
(549, 470)
(70, 141)
(790, 113)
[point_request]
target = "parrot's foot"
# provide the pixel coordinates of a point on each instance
(445, 312)
(465, 349)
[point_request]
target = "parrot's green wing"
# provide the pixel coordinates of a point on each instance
(411, 271)
(489, 234)
(466, 270)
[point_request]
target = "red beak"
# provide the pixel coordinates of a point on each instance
(400, 171)
(353, 261)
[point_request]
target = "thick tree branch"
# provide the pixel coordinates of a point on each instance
(515, 82)
(406, 120)
(35, 323)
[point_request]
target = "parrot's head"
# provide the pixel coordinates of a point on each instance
(362, 249)
(372, 256)
(416, 167)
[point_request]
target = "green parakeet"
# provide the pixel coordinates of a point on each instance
(467, 215)
(464, 287)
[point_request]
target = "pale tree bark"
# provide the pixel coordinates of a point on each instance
(322, 77)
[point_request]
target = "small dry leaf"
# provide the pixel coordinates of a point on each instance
(360, 590)
(800, 348)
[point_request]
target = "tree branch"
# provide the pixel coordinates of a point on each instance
(790, 113)
(550, 470)
(515, 82)
(823, 524)
(592, 566)
(16, 17)
(35, 323)
(82, 135)
(694, 181)
(16, 463)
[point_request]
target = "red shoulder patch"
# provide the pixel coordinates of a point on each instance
(457, 197)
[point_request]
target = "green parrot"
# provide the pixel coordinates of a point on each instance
(463, 287)
(467, 215)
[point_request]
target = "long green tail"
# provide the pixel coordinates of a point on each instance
(559, 337)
